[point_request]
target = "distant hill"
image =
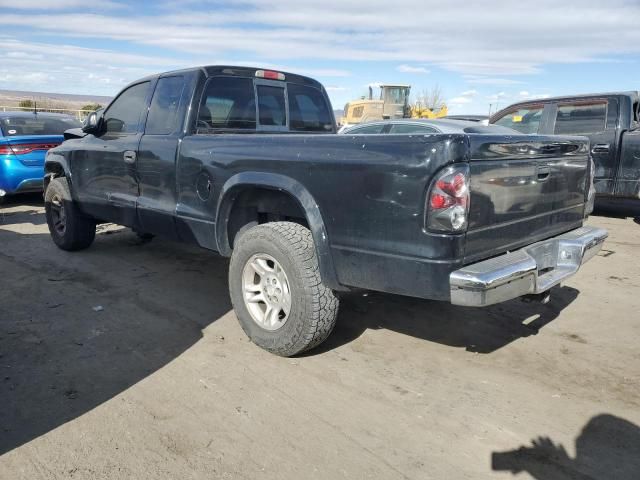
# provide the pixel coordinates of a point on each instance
(10, 98)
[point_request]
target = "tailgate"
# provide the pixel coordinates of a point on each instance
(524, 189)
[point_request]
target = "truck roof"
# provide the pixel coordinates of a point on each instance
(630, 93)
(240, 71)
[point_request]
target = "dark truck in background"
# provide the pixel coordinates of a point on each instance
(247, 163)
(612, 123)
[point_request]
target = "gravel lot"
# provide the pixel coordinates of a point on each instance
(126, 361)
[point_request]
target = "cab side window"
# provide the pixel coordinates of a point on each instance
(581, 118)
(163, 111)
(124, 114)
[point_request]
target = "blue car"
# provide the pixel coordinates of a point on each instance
(25, 138)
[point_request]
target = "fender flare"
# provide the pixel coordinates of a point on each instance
(234, 185)
(54, 164)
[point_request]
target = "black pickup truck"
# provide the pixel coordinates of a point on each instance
(612, 123)
(247, 163)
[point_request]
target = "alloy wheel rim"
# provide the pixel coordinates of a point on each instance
(266, 291)
(58, 215)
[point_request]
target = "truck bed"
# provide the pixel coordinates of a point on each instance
(371, 190)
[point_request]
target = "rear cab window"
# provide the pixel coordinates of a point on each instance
(272, 109)
(227, 103)
(581, 118)
(308, 109)
(523, 119)
(242, 104)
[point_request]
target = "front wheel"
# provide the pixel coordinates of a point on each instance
(69, 229)
(276, 289)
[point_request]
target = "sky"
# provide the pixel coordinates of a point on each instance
(482, 54)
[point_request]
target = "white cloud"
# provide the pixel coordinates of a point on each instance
(56, 5)
(72, 69)
(490, 45)
(497, 96)
(525, 95)
(493, 43)
(24, 55)
(469, 93)
(481, 80)
(410, 69)
(459, 100)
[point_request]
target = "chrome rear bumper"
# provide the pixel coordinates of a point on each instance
(532, 269)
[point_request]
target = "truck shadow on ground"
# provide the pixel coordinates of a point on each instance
(481, 330)
(12, 209)
(608, 447)
(28, 199)
(78, 329)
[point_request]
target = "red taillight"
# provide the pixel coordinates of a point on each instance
(440, 201)
(448, 203)
(454, 186)
(24, 148)
(270, 75)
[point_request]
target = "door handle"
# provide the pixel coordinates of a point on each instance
(129, 156)
(600, 148)
(543, 172)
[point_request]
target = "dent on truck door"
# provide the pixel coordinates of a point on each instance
(104, 171)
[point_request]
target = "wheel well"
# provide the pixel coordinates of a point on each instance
(257, 205)
(52, 170)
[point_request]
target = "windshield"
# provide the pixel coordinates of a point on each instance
(525, 120)
(36, 125)
(396, 95)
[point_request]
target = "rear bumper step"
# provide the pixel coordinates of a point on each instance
(530, 270)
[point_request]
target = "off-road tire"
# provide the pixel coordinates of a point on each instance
(314, 307)
(79, 230)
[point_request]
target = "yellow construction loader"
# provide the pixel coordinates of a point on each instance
(418, 111)
(392, 103)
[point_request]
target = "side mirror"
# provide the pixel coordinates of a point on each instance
(93, 122)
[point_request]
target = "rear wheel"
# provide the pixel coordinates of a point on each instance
(69, 229)
(276, 289)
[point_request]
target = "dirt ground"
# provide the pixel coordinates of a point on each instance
(126, 361)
